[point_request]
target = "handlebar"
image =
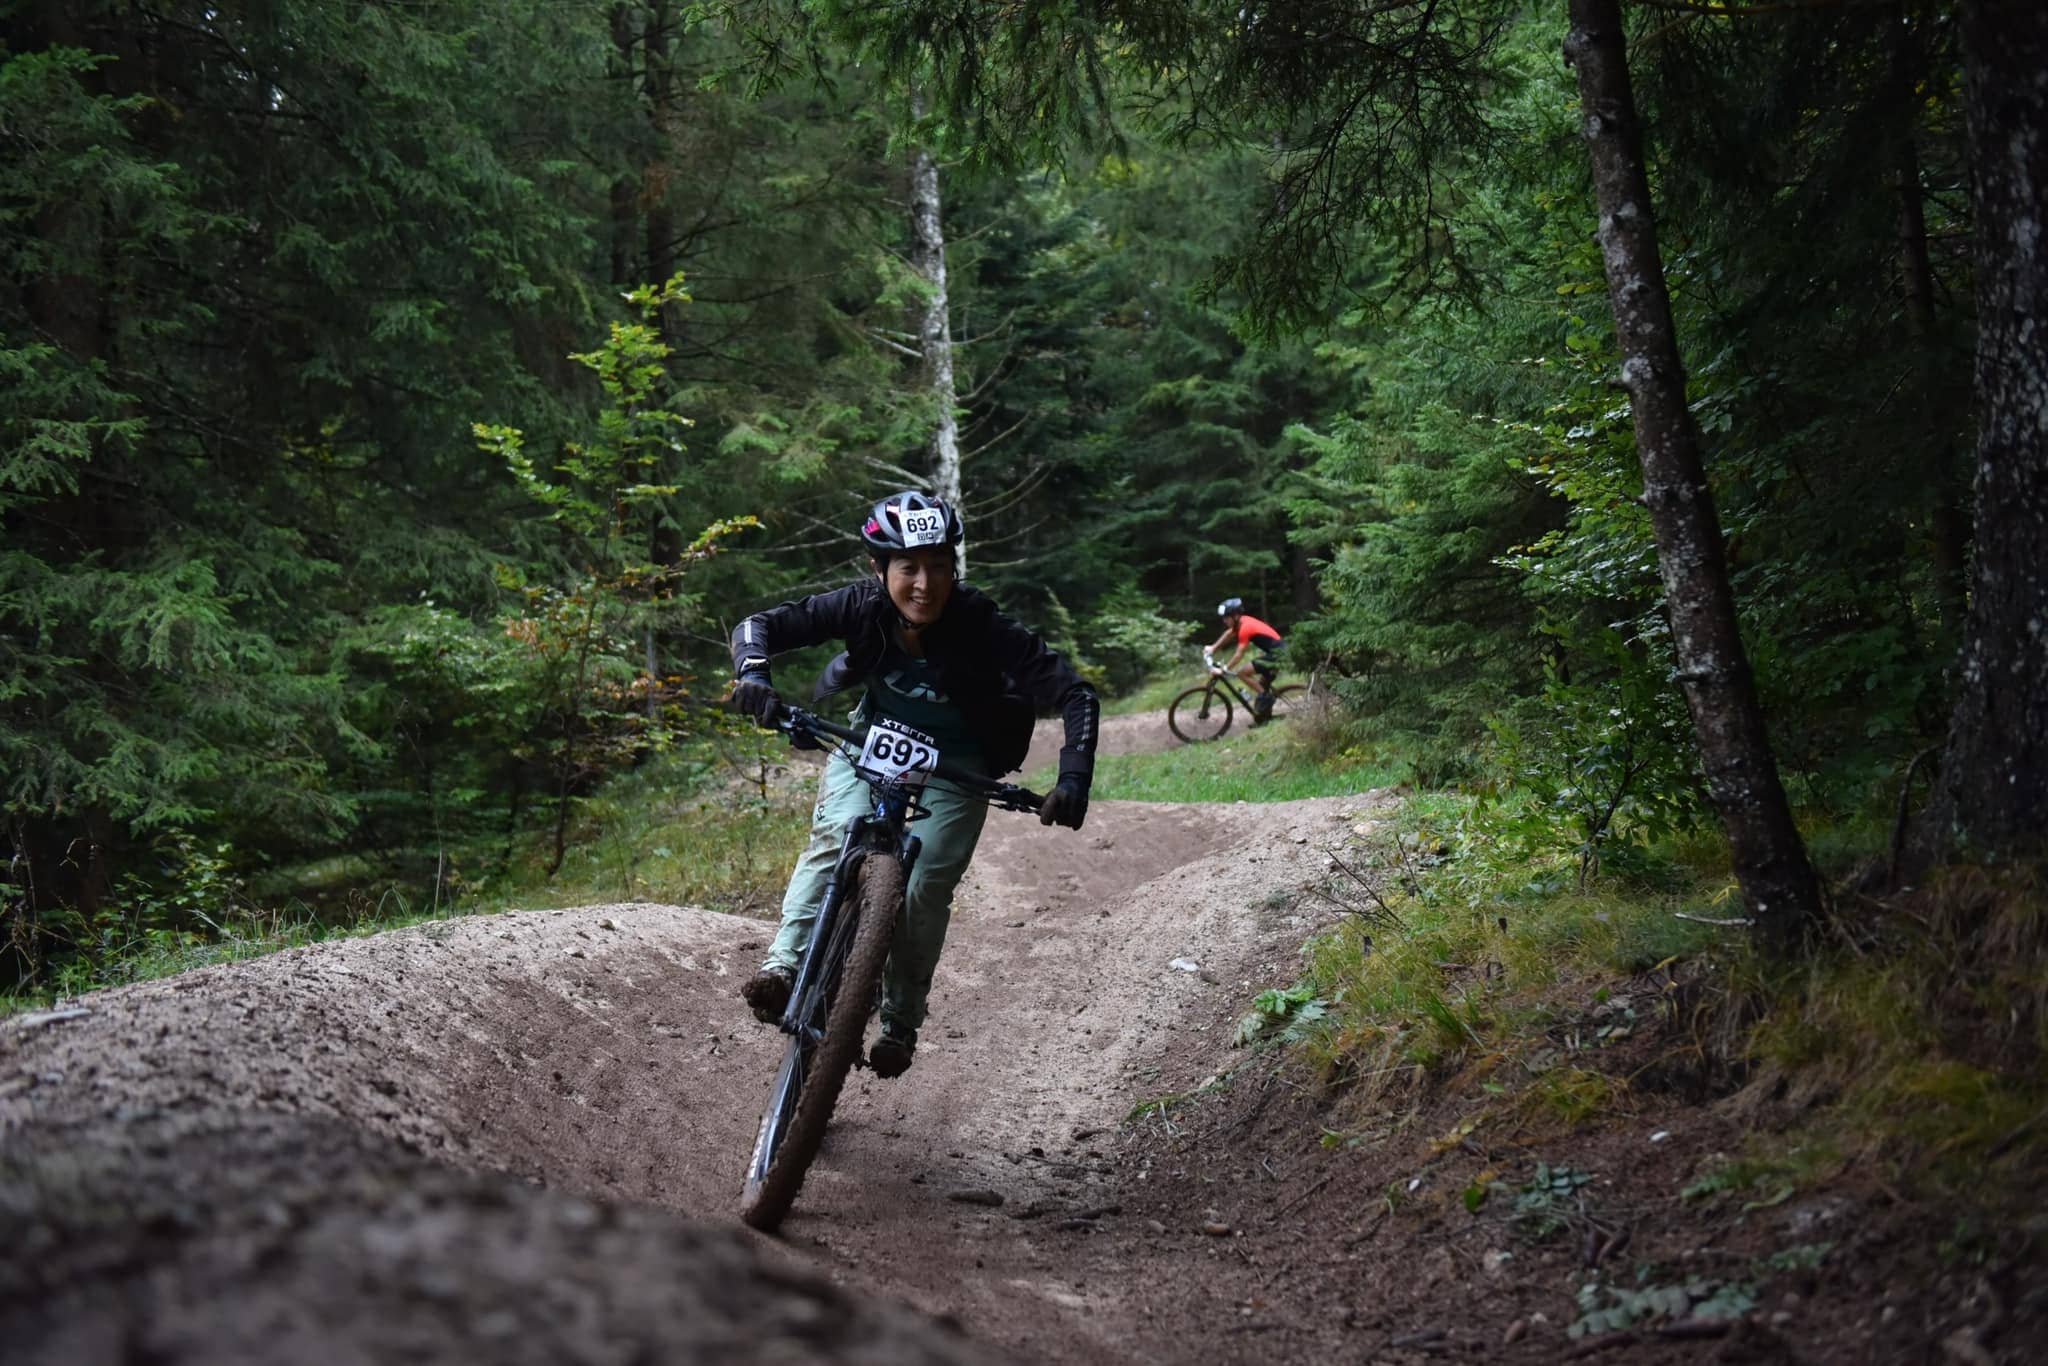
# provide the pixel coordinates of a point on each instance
(796, 722)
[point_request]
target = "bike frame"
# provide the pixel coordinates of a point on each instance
(885, 827)
(1223, 678)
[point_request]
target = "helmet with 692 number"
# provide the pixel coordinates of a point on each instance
(910, 521)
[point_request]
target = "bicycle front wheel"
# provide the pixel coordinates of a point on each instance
(807, 1088)
(1201, 713)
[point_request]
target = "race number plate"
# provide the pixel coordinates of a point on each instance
(894, 752)
(926, 527)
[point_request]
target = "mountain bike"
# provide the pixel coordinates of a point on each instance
(1204, 711)
(838, 984)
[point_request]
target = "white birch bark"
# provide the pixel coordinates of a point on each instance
(934, 327)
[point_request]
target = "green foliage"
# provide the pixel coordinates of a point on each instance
(1931, 1033)
(1131, 639)
(1576, 1096)
(1550, 1202)
(257, 592)
(1260, 765)
(1282, 1016)
(1606, 1308)
(1605, 765)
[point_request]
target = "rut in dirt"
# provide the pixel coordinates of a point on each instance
(530, 1127)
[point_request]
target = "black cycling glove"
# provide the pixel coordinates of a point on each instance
(1067, 803)
(754, 694)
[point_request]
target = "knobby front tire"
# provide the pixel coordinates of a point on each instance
(807, 1088)
(1199, 714)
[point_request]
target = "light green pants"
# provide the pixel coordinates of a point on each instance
(949, 834)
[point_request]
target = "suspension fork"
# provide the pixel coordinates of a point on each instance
(864, 835)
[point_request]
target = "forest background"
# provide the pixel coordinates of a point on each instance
(402, 402)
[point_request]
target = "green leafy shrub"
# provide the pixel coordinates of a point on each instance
(1549, 1201)
(1603, 767)
(1282, 1016)
(1130, 639)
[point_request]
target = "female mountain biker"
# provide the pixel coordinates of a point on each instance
(1249, 632)
(935, 655)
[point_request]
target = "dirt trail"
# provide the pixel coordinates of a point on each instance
(519, 1137)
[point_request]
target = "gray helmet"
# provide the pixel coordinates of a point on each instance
(1229, 605)
(910, 521)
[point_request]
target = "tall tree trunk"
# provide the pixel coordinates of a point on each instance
(625, 215)
(1307, 590)
(934, 325)
(1991, 798)
(660, 94)
(1950, 525)
(1778, 882)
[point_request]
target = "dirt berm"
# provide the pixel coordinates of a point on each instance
(518, 1138)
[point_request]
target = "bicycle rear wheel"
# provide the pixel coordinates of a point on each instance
(1201, 713)
(807, 1087)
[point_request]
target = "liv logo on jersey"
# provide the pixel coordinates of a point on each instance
(903, 682)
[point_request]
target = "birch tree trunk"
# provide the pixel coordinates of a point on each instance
(934, 326)
(1778, 882)
(1991, 798)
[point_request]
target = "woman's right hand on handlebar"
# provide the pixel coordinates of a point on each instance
(754, 695)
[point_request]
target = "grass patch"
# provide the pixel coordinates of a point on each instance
(1476, 955)
(1574, 1096)
(1913, 1039)
(674, 832)
(1768, 1175)
(1931, 1031)
(1152, 695)
(1261, 765)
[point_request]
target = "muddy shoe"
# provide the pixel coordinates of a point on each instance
(891, 1054)
(1262, 707)
(767, 991)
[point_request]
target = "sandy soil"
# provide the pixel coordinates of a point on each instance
(519, 1139)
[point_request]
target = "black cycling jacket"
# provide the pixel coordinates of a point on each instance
(997, 670)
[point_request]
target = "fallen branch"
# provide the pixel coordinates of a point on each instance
(2004, 1145)
(1896, 854)
(38, 1019)
(1386, 914)
(1422, 1338)
(1301, 1197)
(1732, 923)
(1370, 1229)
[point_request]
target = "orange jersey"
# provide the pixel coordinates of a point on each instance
(1252, 631)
